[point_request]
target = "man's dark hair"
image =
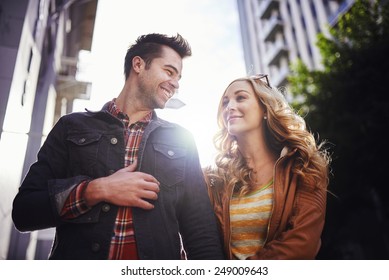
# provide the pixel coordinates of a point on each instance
(149, 47)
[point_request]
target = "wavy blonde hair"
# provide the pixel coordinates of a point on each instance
(283, 128)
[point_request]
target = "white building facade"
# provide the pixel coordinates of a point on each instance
(40, 43)
(276, 33)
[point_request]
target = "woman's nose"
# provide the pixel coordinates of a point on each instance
(230, 106)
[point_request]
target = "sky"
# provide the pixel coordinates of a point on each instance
(212, 29)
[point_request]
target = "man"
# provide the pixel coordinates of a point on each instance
(122, 183)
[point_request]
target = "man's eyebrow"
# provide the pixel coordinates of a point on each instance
(174, 69)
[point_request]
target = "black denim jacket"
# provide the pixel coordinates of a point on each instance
(91, 145)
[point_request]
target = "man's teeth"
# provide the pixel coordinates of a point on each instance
(168, 93)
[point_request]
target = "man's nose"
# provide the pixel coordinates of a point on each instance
(174, 84)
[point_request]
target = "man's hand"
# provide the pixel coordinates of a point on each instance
(125, 187)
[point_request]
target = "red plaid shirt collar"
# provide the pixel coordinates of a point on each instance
(115, 111)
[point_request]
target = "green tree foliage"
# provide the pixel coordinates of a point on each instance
(348, 103)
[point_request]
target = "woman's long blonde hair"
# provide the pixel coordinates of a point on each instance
(283, 128)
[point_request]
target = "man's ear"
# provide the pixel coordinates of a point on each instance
(137, 64)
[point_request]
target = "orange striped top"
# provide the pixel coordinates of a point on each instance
(249, 217)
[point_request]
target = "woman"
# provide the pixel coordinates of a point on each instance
(269, 183)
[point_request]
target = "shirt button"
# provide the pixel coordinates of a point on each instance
(170, 153)
(82, 140)
(106, 208)
(95, 247)
(114, 141)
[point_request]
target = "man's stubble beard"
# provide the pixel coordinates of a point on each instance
(147, 96)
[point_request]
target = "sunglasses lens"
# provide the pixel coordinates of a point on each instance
(263, 77)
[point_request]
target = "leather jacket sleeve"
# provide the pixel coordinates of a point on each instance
(300, 239)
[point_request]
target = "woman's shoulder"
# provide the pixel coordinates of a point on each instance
(214, 176)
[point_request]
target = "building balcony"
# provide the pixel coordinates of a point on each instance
(343, 8)
(276, 53)
(281, 79)
(274, 25)
(71, 88)
(266, 7)
(72, 81)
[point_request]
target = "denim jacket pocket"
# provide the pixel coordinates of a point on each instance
(83, 151)
(169, 164)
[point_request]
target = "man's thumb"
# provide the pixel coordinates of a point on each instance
(131, 167)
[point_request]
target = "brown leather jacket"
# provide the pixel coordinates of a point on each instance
(296, 221)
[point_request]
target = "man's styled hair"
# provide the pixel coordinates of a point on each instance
(149, 47)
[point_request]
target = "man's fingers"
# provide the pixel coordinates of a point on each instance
(149, 195)
(151, 179)
(151, 186)
(131, 167)
(143, 204)
(145, 176)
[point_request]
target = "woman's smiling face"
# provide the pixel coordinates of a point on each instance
(242, 111)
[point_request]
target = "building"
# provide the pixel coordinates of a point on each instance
(41, 43)
(276, 33)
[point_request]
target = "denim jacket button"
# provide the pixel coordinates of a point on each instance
(95, 247)
(82, 140)
(106, 208)
(114, 141)
(170, 153)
